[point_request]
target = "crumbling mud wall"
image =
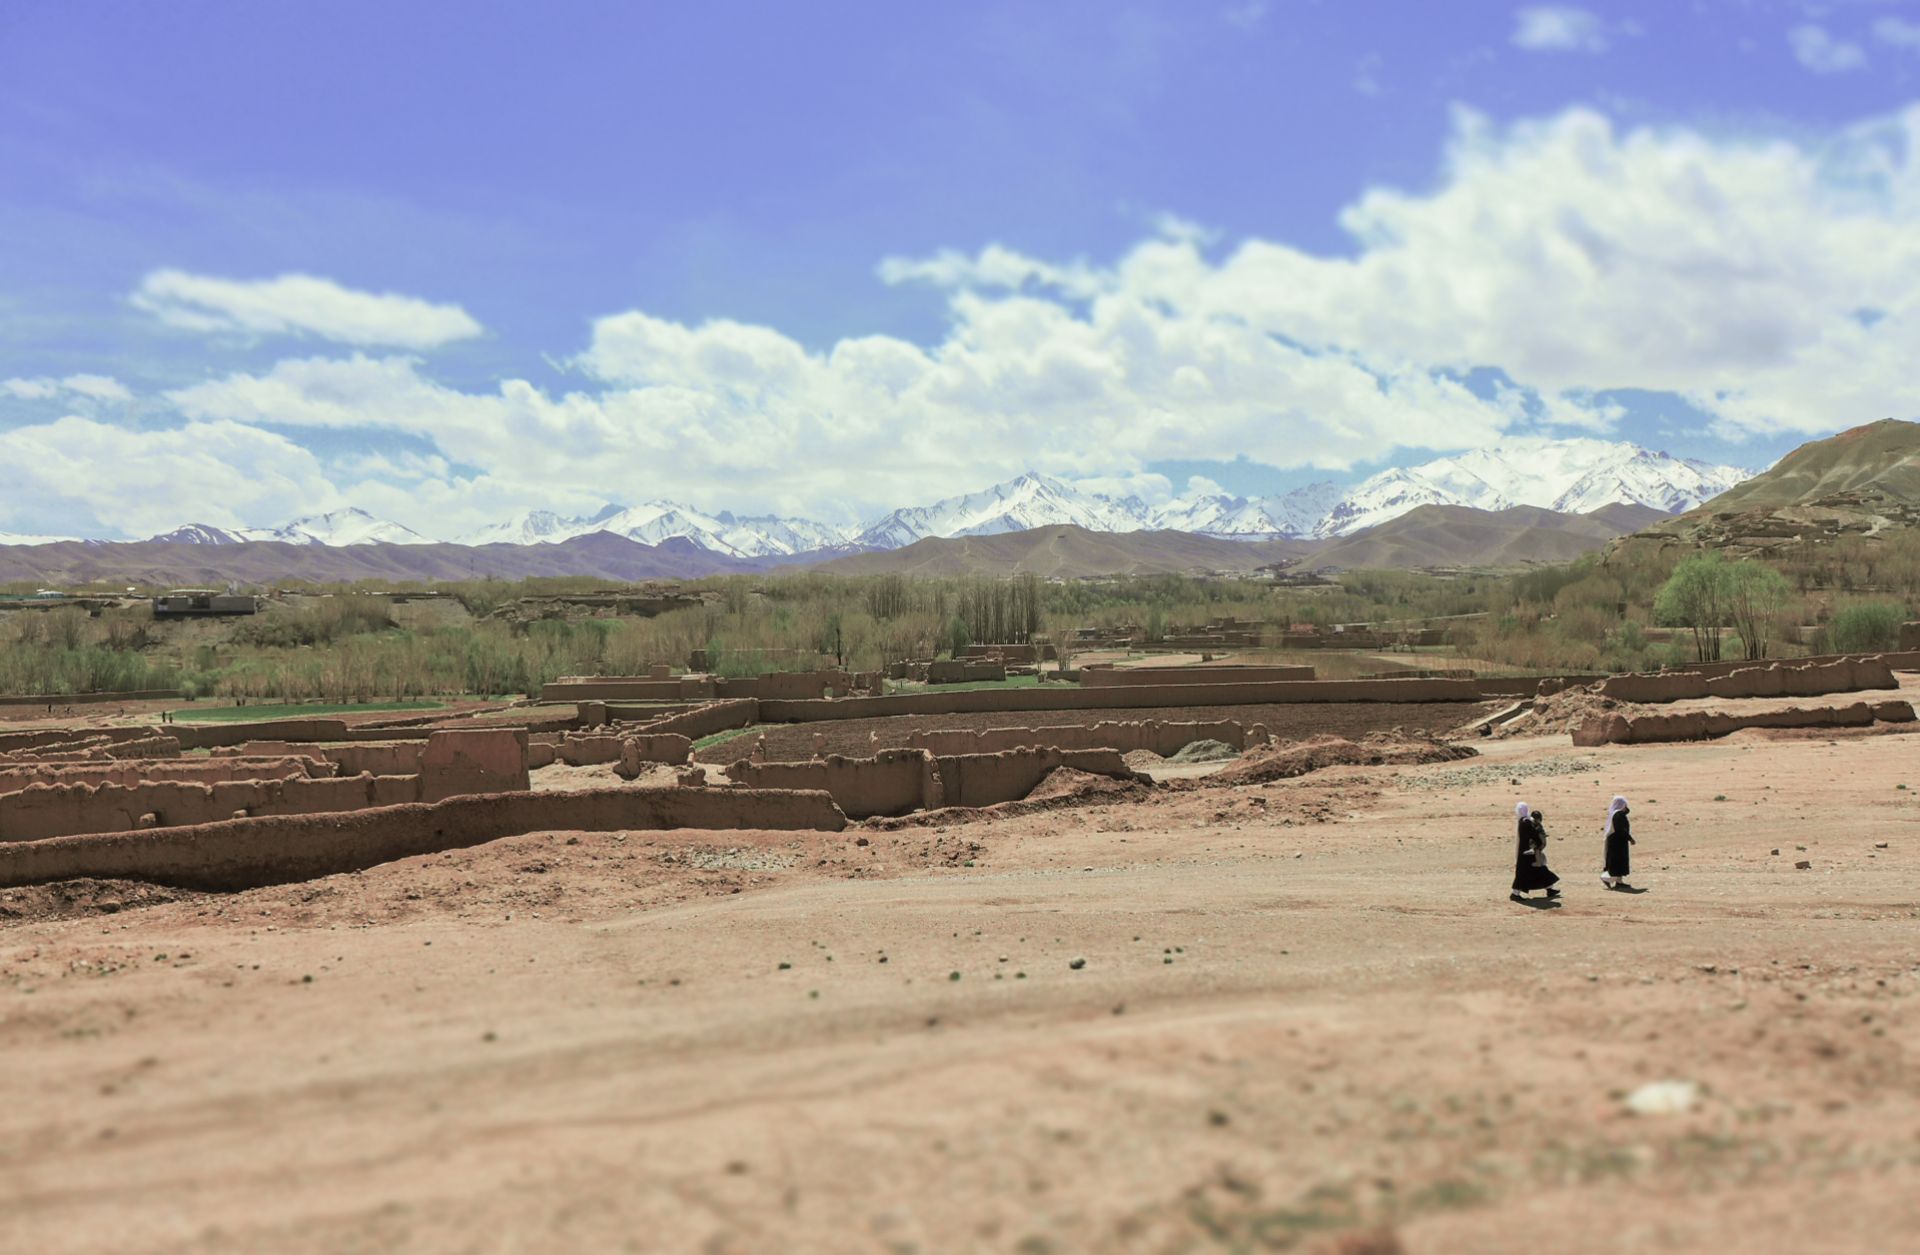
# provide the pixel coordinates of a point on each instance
(587, 751)
(247, 853)
(1108, 676)
(977, 780)
(197, 736)
(52, 810)
(1163, 737)
(1779, 679)
(892, 782)
(1069, 697)
(1910, 637)
(708, 719)
(14, 777)
(1703, 725)
(47, 738)
(639, 751)
(454, 763)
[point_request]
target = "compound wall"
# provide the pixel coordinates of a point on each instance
(1161, 737)
(1121, 697)
(52, 810)
(493, 761)
(988, 779)
(1844, 675)
(246, 853)
(14, 777)
(1102, 677)
(1701, 725)
(706, 720)
(892, 782)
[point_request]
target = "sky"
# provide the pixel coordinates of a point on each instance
(450, 261)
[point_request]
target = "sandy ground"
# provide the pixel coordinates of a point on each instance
(1302, 1016)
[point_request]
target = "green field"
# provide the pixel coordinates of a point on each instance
(296, 710)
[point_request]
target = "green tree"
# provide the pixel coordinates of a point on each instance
(1866, 628)
(1695, 596)
(1754, 595)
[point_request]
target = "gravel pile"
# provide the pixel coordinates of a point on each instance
(1497, 773)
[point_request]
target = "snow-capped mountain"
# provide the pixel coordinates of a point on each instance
(656, 521)
(16, 538)
(1256, 518)
(351, 526)
(1030, 500)
(1571, 476)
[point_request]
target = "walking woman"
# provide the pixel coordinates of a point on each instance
(1530, 870)
(1619, 837)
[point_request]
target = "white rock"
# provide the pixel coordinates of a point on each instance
(1663, 1098)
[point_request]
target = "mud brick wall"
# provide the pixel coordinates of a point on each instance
(636, 751)
(709, 719)
(52, 810)
(1779, 679)
(207, 736)
(199, 770)
(587, 751)
(893, 782)
(1160, 736)
(246, 853)
(454, 763)
(1104, 676)
(1064, 697)
(613, 689)
(1700, 725)
(977, 780)
(43, 738)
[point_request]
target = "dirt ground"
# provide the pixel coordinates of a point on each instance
(1293, 1016)
(1289, 721)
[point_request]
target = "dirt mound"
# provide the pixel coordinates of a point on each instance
(70, 899)
(1563, 712)
(1141, 759)
(1204, 752)
(1283, 762)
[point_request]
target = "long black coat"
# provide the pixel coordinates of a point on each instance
(1525, 874)
(1619, 840)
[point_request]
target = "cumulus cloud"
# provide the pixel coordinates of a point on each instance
(1897, 32)
(88, 387)
(98, 477)
(1559, 28)
(1774, 283)
(1820, 52)
(301, 305)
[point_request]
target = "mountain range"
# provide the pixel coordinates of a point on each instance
(1575, 476)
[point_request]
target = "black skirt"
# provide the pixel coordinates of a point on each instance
(1526, 875)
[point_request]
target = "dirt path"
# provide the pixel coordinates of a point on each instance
(1307, 1019)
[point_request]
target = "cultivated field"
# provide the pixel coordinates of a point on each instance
(1300, 1016)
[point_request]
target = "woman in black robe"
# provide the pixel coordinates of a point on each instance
(1530, 870)
(1619, 838)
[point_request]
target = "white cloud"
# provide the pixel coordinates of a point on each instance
(1774, 283)
(301, 305)
(1897, 32)
(1820, 52)
(88, 387)
(1559, 28)
(92, 476)
(1581, 259)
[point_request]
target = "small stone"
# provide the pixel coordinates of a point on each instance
(1076, 963)
(1663, 1098)
(1803, 865)
(1879, 845)
(1776, 850)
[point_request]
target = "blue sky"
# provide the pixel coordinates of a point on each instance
(450, 260)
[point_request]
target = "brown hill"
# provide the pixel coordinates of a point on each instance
(1070, 552)
(1457, 536)
(1862, 482)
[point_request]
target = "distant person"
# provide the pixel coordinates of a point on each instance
(1619, 837)
(1530, 869)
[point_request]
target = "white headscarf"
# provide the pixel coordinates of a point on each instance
(1521, 810)
(1618, 804)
